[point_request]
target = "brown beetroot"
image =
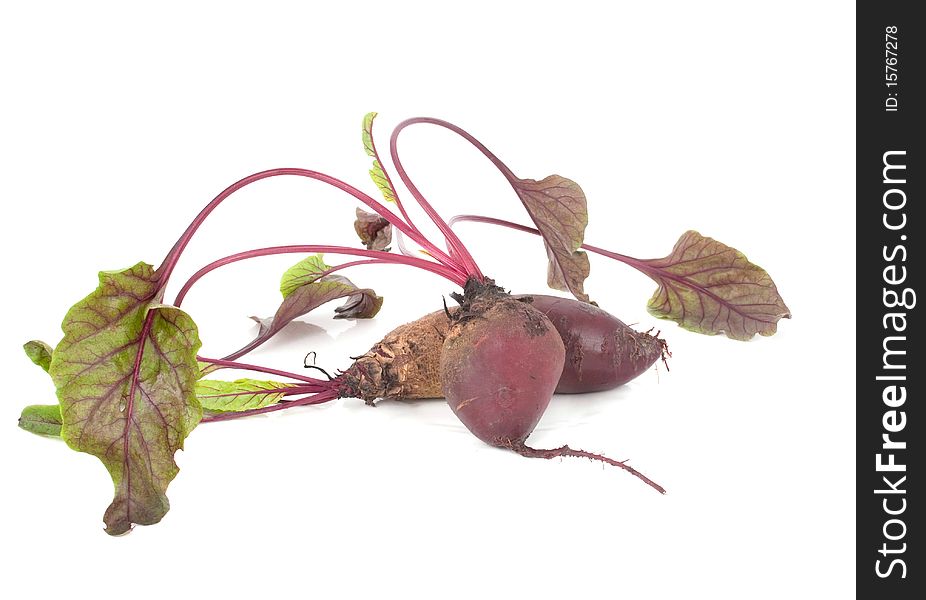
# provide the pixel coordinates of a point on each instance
(404, 365)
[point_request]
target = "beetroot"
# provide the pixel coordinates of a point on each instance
(601, 351)
(499, 366)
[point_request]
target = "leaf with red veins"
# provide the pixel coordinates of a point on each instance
(363, 304)
(708, 287)
(125, 374)
(377, 173)
(374, 231)
(558, 208)
(360, 303)
(239, 395)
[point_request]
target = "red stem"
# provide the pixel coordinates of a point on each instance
(318, 398)
(400, 244)
(644, 266)
(636, 263)
(170, 261)
(454, 242)
(130, 407)
(457, 249)
(508, 173)
(353, 263)
(379, 256)
(231, 364)
(398, 201)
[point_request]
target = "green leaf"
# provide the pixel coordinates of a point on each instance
(368, 144)
(125, 374)
(306, 271)
(238, 395)
(708, 287)
(377, 174)
(39, 353)
(374, 231)
(41, 419)
(558, 208)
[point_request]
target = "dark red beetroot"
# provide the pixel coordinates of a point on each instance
(499, 366)
(601, 351)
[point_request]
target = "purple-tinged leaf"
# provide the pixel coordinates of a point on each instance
(375, 232)
(312, 269)
(125, 374)
(708, 287)
(308, 297)
(304, 289)
(557, 206)
(364, 304)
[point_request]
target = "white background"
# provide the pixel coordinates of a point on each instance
(118, 124)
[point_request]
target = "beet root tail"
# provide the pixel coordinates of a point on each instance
(525, 450)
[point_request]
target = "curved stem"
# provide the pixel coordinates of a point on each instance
(231, 364)
(380, 256)
(492, 221)
(657, 274)
(189, 284)
(318, 398)
(457, 249)
(508, 173)
(400, 244)
(628, 260)
(353, 263)
(170, 261)
(398, 201)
